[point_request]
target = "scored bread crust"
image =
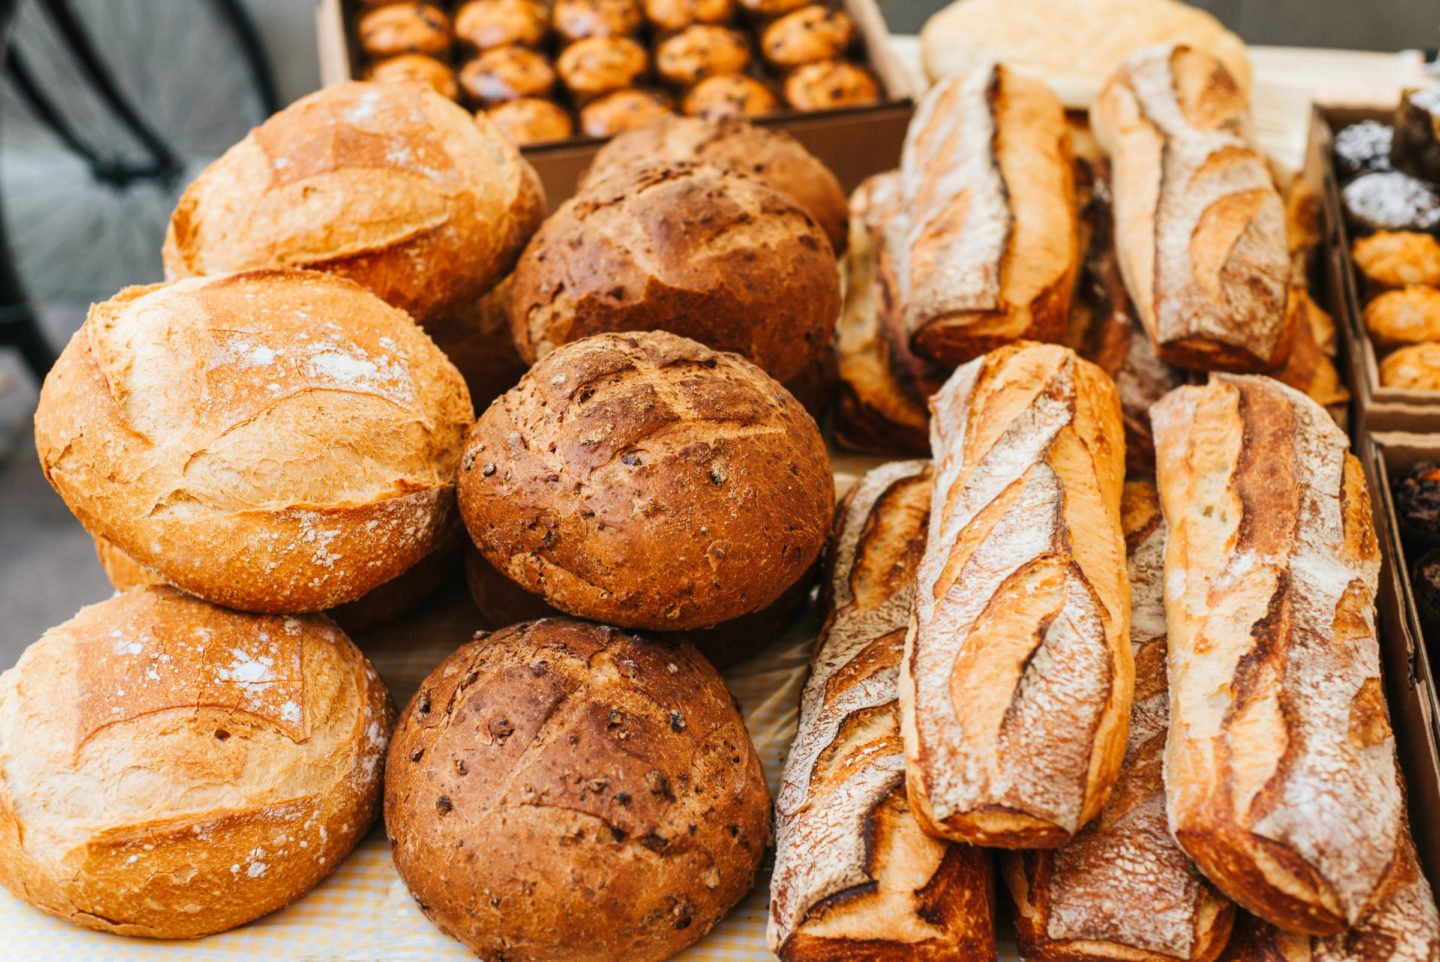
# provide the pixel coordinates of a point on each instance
(388, 184)
(1016, 686)
(171, 769)
(854, 874)
(989, 248)
(1199, 223)
(1122, 889)
(270, 441)
(1280, 768)
(563, 790)
(646, 480)
(688, 248)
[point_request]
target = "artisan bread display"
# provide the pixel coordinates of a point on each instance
(688, 248)
(990, 245)
(273, 441)
(171, 769)
(1199, 224)
(1280, 769)
(390, 185)
(564, 790)
(855, 877)
(1122, 888)
(646, 480)
(1016, 686)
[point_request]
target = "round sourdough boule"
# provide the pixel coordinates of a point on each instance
(646, 480)
(768, 154)
(170, 769)
(389, 184)
(561, 790)
(270, 441)
(688, 248)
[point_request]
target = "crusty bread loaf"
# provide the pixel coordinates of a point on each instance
(1310, 366)
(390, 185)
(734, 143)
(1017, 680)
(270, 441)
(476, 338)
(170, 769)
(647, 480)
(1280, 769)
(561, 790)
(990, 246)
(1199, 224)
(1122, 889)
(854, 875)
(681, 247)
(1403, 927)
(884, 387)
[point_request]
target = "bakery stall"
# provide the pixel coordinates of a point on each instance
(621, 481)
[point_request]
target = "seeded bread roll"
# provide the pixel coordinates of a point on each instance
(390, 185)
(1280, 769)
(648, 481)
(854, 875)
(270, 441)
(749, 272)
(766, 153)
(561, 790)
(1016, 686)
(171, 769)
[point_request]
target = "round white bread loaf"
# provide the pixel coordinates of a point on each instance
(171, 769)
(389, 184)
(271, 441)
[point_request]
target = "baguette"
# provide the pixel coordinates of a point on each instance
(1200, 227)
(1123, 889)
(991, 246)
(1280, 769)
(1016, 686)
(855, 878)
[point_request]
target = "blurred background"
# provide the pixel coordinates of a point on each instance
(87, 183)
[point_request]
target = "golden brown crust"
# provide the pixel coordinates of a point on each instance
(771, 8)
(615, 113)
(561, 790)
(671, 15)
(1407, 315)
(579, 19)
(700, 51)
(1310, 367)
(806, 35)
(390, 185)
(1016, 687)
(732, 95)
(831, 84)
(598, 65)
(213, 450)
(749, 272)
(416, 68)
(646, 480)
(1398, 258)
(171, 769)
(532, 121)
(486, 24)
(1284, 787)
(765, 153)
(506, 73)
(1415, 367)
(404, 28)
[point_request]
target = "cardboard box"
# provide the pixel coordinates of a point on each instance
(854, 142)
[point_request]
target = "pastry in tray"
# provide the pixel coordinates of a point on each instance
(1397, 258)
(405, 28)
(1363, 147)
(1405, 315)
(729, 95)
(1391, 200)
(416, 68)
(486, 24)
(622, 110)
(1416, 145)
(1414, 367)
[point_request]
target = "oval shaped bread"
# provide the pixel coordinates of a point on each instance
(171, 769)
(390, 185)
(766, 153)
(646, 480)
(269, 441)
(687, 248)
(561, 790)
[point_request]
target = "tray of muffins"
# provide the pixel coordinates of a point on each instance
(557, 76)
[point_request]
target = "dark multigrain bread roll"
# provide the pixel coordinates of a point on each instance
(1417, 503)
(561, 790)
(688, 248)
(648, 481)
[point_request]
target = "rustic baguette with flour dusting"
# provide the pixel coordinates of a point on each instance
(1016, 686)
(1280, 768)
(855, 877)
(1199, 224)
(1122, 889)
(990, 244)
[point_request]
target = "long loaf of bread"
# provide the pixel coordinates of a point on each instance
(1280, 769)
(1199, 224)
(1122, 888)
(855, 878)
(990, 247)
(1016, 686)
